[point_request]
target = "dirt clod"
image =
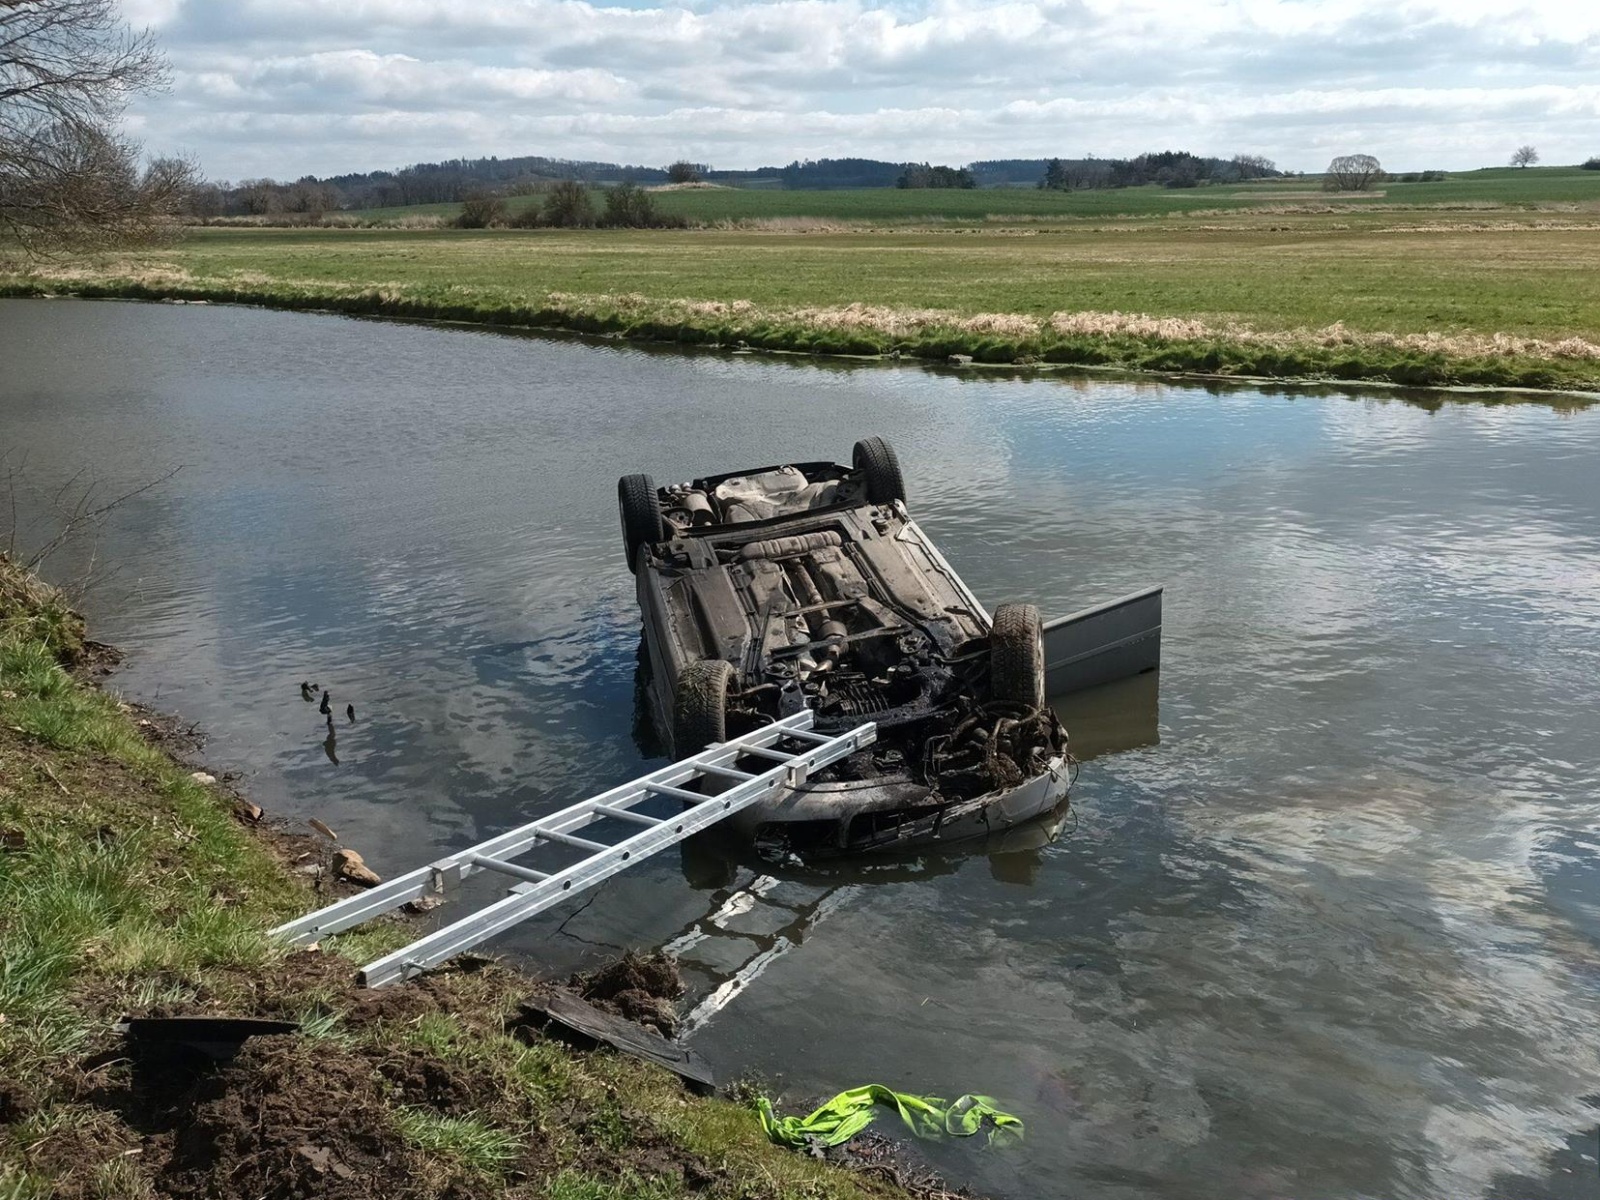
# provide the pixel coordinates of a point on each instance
(641, 988)
(14, 1104)
(247, 1124)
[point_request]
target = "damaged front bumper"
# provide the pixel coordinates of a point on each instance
(895, 813)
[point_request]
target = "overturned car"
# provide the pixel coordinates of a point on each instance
(807, 585)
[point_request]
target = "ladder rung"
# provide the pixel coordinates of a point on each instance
(505, 868)
(764, 752)
(807, 735)
(677, 793)
(566, 839)
(627, 814)
(731, 773)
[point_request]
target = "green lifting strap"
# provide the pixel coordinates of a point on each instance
(848, 1113)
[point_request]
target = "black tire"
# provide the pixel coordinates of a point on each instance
(1016, 655)
(700, 706)
(641, 515)
(875, 459)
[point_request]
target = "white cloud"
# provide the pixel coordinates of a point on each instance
(745, 83)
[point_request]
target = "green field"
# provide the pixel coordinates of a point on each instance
(1501, 296)
(1501, 185)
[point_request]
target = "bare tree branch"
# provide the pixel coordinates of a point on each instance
(78, 512)
(68, 69)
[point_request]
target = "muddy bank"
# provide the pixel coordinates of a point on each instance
(134, 884)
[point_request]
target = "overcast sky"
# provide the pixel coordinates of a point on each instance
(292, 87)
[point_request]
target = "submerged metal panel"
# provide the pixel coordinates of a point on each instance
(1101, 644)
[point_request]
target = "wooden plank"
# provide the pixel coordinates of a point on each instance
(569, 1012)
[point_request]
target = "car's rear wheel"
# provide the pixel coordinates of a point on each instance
(700, 706)
(641, 515)
(875, 459)
(1016, 655)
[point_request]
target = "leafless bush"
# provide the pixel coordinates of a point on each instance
(480, 209)
(1352, 173)
(567, 206)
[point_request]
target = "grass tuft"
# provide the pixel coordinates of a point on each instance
(470, 1141)
(575, 1185)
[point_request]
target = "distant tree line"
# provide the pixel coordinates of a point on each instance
(1168, 168)
(455, 180)
(921, 175)
(421, 183)
(569, 204)
(827, 173)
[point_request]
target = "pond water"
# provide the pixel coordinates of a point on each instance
(1325, 918)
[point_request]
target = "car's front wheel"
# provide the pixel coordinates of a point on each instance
(641, 515)
(700, 706)
(1016, 655)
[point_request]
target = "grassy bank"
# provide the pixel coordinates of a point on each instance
(128, 887)
(1410, 297)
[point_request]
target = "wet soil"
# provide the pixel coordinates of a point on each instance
(642, 988)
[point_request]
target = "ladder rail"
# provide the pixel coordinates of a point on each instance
(445, 873)
(528, 899)
(425, 881)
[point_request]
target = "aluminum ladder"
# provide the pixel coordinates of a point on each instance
(536, 891)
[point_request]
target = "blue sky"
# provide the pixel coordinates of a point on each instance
(291, 87)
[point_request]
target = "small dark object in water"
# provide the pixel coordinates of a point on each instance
(324, 706)
(350, 711)
(305, 692)
(330, 743)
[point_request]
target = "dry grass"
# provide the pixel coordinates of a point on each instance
(1463, 345)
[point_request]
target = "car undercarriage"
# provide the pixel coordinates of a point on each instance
(808, 586)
